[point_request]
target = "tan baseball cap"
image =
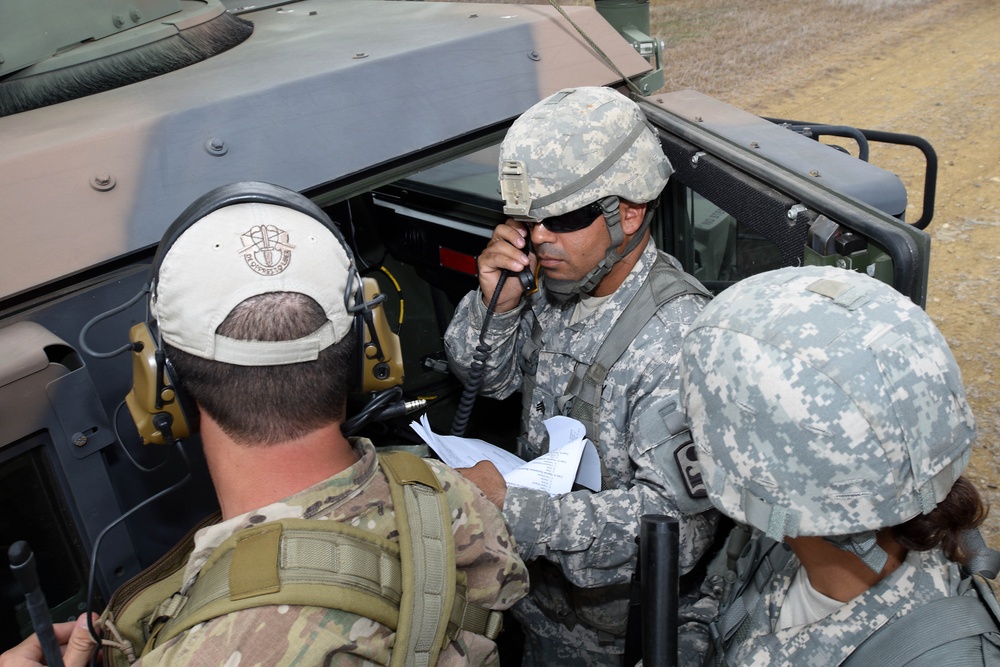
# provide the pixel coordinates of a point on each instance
(241, 251)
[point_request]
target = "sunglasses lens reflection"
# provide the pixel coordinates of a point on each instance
(574, 220)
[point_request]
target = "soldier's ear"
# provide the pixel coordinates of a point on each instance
(631, 216)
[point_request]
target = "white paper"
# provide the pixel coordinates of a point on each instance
(571, 457)
(564, 431)
(465, 452)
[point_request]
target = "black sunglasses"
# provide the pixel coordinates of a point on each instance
(571, 221)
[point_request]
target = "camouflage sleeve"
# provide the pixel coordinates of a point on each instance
(592, 535)
(495, 575)
(484, 548)
(502, 376)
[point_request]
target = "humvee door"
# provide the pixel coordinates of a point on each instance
(749, 195)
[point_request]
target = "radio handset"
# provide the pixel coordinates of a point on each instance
(525, 275)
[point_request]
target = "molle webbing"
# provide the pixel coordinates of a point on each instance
(294, 562)
(731, 625)
(318, 561)
(413, 587)
(983, 560)
(428, 565)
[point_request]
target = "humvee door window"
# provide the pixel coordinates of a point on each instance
(721, 249)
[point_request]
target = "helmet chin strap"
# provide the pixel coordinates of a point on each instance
(563, 290)
(864, 546)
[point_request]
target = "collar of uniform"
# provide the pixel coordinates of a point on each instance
(924, 576)
(303, 505)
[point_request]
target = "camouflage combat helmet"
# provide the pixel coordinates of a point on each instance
(577, 147)
(823, 402)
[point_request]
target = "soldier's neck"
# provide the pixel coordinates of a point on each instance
(248, 477)
(839, 574)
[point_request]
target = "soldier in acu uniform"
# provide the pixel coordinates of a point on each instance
(254, 296)
(580, 172)
(830, 418)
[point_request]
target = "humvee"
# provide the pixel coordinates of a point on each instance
(389, 116)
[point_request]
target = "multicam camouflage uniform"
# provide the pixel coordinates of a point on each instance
(823, 403)
(589, 537)
(284, 635)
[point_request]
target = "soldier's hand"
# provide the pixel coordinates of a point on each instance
(74, 641)
(505, 251)
(489, 480)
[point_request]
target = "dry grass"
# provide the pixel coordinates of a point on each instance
(738, 51)
(732, 50)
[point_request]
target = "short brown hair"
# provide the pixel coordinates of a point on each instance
(263, 405)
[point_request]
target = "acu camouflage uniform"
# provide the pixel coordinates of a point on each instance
(359, 496)
(589, 538)
(824, 403)
(924, 577)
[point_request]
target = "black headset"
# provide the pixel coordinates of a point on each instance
(161, 411)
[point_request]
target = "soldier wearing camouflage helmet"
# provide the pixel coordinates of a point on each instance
(580, 174)
(254, 294)
(830, 418)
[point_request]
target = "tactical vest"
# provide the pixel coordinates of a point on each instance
(974, 611)
(411, 587)
(582, 397)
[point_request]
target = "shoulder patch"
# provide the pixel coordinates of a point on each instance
(686, 457)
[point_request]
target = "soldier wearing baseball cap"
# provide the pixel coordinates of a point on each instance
(580, 173)
(830, 418)
(326, 551)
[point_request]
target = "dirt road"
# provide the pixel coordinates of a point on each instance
(935, 74)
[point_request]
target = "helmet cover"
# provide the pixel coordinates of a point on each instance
(823, 402)
(581, 145)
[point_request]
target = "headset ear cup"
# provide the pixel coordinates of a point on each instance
(381, 354)
(189, 418)
(160, 412)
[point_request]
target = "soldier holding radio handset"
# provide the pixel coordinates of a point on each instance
(580, 173)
